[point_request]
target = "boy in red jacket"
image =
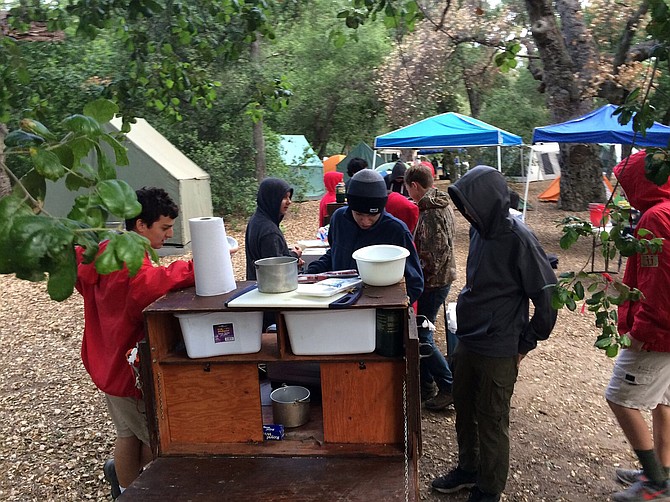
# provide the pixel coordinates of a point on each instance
(641, 376)
(114, 324)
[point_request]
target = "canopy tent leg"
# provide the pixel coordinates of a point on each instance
(499, 158)
(525, 193)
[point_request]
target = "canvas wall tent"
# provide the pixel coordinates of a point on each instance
(600, 126)
(153, 161)
(296, 152)
(361, 151)
(543, 163)
(448, 130)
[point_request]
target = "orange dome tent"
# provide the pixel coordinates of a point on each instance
(330, 164)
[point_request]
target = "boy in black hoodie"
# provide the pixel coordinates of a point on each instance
(263, 237)
(506, 269)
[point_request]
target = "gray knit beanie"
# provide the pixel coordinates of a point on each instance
(367, 192)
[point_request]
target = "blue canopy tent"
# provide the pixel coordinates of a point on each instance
(600, 126)
(448, 130)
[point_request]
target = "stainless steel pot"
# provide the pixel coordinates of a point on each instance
(290, 405)
(277, 275)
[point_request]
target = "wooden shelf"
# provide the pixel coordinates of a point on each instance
(296, 479)
(208, 413)
(269, 353)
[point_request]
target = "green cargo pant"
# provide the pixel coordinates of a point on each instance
(482, 391)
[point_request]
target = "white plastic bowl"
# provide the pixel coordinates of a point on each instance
(382, 264)
(233, 246)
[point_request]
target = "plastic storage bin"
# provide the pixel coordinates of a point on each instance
(331, 332)
(221, 333)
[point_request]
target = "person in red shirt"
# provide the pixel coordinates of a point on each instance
(114, 324)
(330, 181)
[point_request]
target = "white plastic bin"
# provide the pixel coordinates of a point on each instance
(331, 332)
(221, 333)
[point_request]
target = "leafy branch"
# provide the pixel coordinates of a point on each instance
(35, 245)
(605, 292)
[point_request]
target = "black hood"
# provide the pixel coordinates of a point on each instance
(271, 192)
(482, 197)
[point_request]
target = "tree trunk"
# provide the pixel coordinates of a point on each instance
(5, 184)
(568, 62)
(258, 138)
(585, 183)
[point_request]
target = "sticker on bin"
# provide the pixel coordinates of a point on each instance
(220, 333)
(224, 333)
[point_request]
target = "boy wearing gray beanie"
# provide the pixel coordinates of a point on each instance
(363, 222)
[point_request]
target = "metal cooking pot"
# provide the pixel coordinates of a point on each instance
(290, 405)
(277, 275)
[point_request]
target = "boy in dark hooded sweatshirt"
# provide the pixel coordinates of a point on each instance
(506, 268)
(263, 238)
(364, 222)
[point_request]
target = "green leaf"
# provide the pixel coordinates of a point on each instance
(22, 139)
(11, 208)
(612, 350)
(102, 110)
(63, 275)
(37, 239)
(82, 124)
(131, 247)
(107, 262)
(47, 164)
(119, 198)
(34, 184)
(603, 343)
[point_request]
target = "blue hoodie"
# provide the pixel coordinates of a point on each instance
(345, 237)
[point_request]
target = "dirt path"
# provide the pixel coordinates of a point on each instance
(55, 434)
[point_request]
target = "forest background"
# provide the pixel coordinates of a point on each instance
(222, 84)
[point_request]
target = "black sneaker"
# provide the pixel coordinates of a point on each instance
(458, 479)
(110, 476)
(428, 391)
(442, 401)
(476, 495)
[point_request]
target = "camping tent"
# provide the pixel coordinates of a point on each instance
(330, 163)
(153, 161)
(362, 151)
(601, 126)
(448, 130)
(553, 191)
(296, 152)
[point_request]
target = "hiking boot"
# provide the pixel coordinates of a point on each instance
(476, 495)
(110, 475)
(428, 391)
(443, 400)
(455, 480)
(628, 477)
(644, 491)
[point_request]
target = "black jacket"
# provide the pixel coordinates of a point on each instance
(263, 238)
(506, 268)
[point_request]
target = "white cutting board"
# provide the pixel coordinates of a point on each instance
(255, 298)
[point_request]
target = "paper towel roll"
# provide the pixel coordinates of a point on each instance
(211, 258)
